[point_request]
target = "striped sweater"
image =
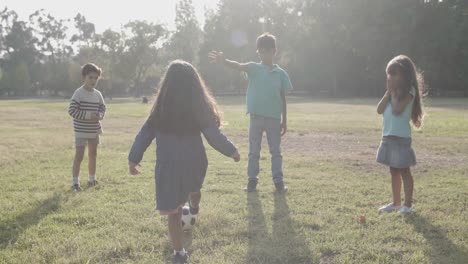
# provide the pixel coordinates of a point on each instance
(82, 106)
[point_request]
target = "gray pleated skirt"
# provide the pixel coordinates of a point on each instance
(396, 152)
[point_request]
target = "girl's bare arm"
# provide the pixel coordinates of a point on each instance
(383, 103)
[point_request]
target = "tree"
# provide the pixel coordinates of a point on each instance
(112, 46)
(17, 54)
(51, 34)
(54, 48)
(185, 41)
(331, 47)
(86, 31)
(142, 50)
(85, 39)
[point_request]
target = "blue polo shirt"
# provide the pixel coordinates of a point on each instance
(264, 90)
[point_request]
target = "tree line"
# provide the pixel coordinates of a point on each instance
(335, 48)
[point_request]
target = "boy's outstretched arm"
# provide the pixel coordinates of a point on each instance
(218, 57)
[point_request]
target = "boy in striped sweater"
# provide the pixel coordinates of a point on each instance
(87, 108)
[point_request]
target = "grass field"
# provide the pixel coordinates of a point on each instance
(329, 166)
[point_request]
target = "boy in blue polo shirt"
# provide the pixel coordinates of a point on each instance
(266, 104)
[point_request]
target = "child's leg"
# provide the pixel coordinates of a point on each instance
(273, 133)
(408, 186)
(255, 145)
(92, 156)
(396, 186)
(195, 198)
(175, 229)
(79, 153)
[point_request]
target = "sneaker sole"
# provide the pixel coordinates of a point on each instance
(389, 211)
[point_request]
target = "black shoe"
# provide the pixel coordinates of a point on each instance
(251, 186)
(179, 259)
(280, 187)
(76, 187)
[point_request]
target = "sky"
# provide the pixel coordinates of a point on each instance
(107, 14)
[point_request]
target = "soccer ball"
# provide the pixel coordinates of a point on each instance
(188, 220)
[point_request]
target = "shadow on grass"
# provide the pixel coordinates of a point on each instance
(443, 250)
(10, 230)
(284, 245)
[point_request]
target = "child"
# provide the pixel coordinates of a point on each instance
(87, 107)
(266, 104)
(400, 104)
(182, 110)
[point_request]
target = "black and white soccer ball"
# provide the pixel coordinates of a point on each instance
(188, 220)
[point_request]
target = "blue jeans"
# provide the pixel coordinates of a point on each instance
(272, 127)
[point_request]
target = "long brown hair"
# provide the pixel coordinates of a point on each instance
(183, 104)
(412, 77)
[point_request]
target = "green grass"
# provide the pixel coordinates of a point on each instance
(328, 163)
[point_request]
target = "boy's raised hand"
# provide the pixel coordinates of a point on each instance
(216, 56)
(132, 168)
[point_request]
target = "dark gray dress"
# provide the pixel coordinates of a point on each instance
(181, 162)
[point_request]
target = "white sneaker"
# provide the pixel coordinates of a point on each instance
(389, 208)
(404, 210)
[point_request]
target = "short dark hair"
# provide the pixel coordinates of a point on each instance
(90, 67)
(266, 41)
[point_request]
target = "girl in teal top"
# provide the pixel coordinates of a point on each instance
(400, 105)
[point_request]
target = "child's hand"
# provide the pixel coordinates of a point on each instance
(236, 156)
(284, 127)
(390, 87)
(95, 116)
(216, 57)
(132, 168)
